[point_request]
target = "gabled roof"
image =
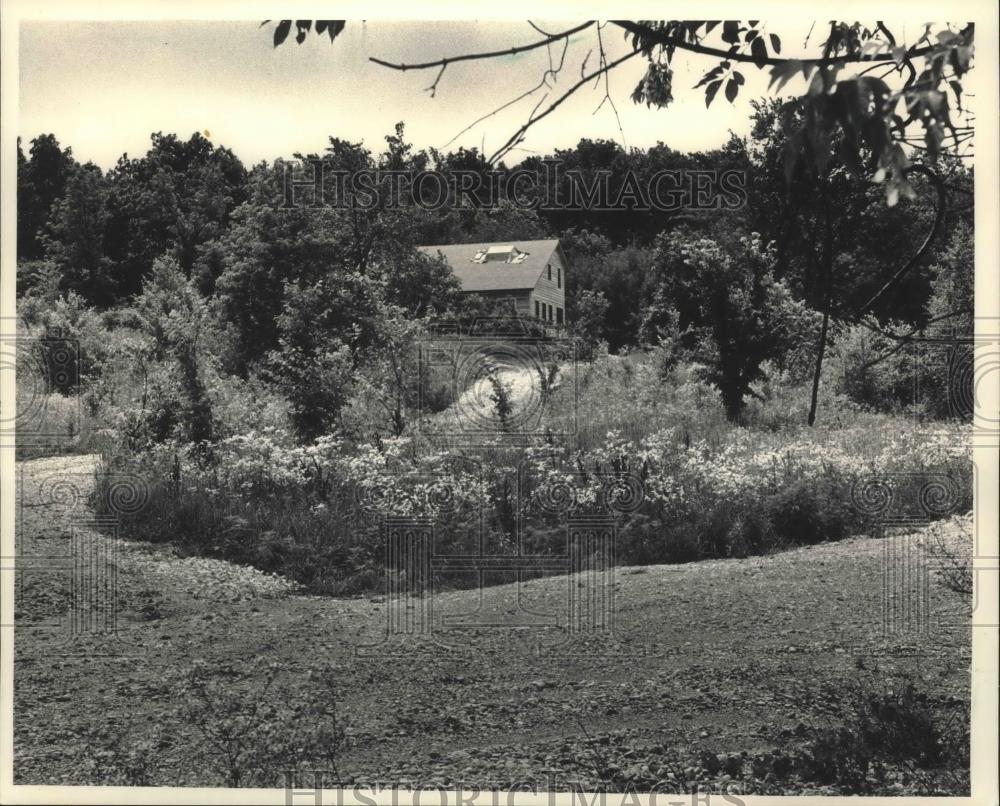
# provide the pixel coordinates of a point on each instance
(493, 274)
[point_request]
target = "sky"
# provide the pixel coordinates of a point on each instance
(104, 87)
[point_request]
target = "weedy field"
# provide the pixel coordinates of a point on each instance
(762, 674)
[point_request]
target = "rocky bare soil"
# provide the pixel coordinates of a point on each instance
(716, 674)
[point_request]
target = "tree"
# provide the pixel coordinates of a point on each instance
(503, 222)
(175, 199)
(272, 244)
(420, 285)
(951, 304)
(869, 240)
(590, 310)
(264, 250)
(616, 276)
(386, 384)
(951, 318)
(843, 251)
(75, 235)
(41, 181)
(721, 310)
(176, 320)
(319, 344)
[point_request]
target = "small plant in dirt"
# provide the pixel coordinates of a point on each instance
(121, 757)
(598, 758)
(231, 721)
(500, 394)
(950, 545)
(890, 734)
(256, 735)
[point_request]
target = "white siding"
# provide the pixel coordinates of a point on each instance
(551, 292)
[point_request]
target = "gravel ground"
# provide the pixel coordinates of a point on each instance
(715, 674)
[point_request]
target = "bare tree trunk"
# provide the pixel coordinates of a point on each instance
(827, 293)
(819, 365)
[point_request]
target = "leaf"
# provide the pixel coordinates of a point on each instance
(817, 85)
(759, 52)
(710, 91)
(962, 58)
(731, 31)
(956, 87)
(783, 72)
(738, 78)
(775, 43)
(732, 88)
(334, 27)
(281, 32)
(710, 25)
(715, 72)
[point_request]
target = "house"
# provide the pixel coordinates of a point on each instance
(531, 275)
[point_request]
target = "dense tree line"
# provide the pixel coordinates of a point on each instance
(300, 293)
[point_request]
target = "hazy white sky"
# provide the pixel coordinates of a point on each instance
(102, 88)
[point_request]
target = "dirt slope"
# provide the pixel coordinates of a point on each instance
(722, 656)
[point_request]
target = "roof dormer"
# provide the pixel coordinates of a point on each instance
(500, 254)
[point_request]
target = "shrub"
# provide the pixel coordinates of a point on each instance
(872, 370)
(64, 323)
(950, 543)
(809, 511)
(253, 737)
(894, 728)
(310, 530)
(121, 758)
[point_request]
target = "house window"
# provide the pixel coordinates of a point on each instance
(551, 313)
(549, 267)
(559, 316)
(537, 306)
(559, 276)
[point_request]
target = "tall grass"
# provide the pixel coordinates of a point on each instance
(55, 424)
(705, 487)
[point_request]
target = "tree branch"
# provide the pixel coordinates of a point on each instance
(924, 247)
(603, 62)
(552, 72)
(519, 134)
(666, 40)
(903, 339)
(487, 55)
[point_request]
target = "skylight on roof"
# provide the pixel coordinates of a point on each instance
(499, 254)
